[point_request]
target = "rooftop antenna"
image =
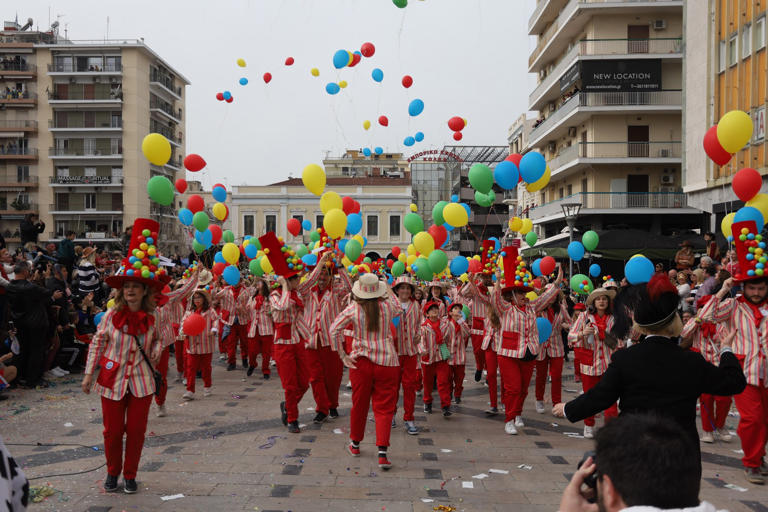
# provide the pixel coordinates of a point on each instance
(106, 38)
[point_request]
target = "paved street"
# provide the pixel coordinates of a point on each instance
(230, 452)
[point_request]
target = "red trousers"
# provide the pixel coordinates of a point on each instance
(555, 366)
(195, 363)
(714, 411)
(325, 373)
(515, 377)
(477, 350)
(162, 367)
(372, 385)
(752, 404)
(457, 379)
(409, 379)
(260, 345)
(127, 416)
(443, 372)
(492, 365)
(178, 350)
(587, 383)
(576, 367)
(238, 333)
(294, 375)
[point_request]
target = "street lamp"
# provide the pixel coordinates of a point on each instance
(571, 212)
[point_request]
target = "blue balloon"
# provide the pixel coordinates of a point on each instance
(227, 95)
(377, 75)
(396, 321)
(455, 198)
(340, 59)
(447, 240)
(306, 225)
(419, 136)
(594, 270)
(354, 223)
(496, 243)
(576, 250)
(638, 270)
(204, 238)
(219, 194)
(332, 88)
(251, 251)
(243, 81)
(409, 141)
(459, 265)
(231, 275)
(506, 175)
(365, 241)
(416, 107)
(185, 216)
(544, 327)
(342, 244)
(219, 258)
(97, 319)
(367, 151)
(378, 150)
(447, 227)
(466, 207)
(747, 213)
(536, 267)
(309, 259)
(532, 166)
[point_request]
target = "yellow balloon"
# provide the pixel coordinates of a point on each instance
(346, 261)
(477, 257)
(366, 124)
(219, 211)
(335, 222)
(315, 72)
(526, 227)
(455, 215)
(424, 243)
(402, 257)
(734, 130)
(331, 201)
(637, 256)
(414, 208)
(343, 84)
(464, 277)
(360, 240)
(760, 201)
(540, 183)
(156, 149)
(110, 303)
(725, 224)
(411, 249)
(411, 259)
(266, 266)
(259, 254)
(515, 224)
(231, 253)
(241, 63)
(465, 122)
(313, 177)
(531, 296)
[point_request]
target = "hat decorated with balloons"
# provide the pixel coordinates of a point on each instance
(284, 260)
(516, 276)
(487, 257)
(142, 264)
(750, 250)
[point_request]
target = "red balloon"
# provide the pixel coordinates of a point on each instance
(475, 265)
(226, 216)
(356, 209)
(396, 251)
(456, 123)
(439, 234)
(547, 265)
(367, 49)
(267, 77)
(289, 61)
(181, 185)
(194, 162)
(407, 81)
(218, 185)
(457, 136)
(230, 99)
(746, 183)
(515, 159)
(390, 263)
(537, 283)
(356, 58)
(383, 121)
(713, 149)
(215, 230)
(194, 324)
(195, 203)
(294, 227)
(220, 96)
(218, 268)
(347, 204)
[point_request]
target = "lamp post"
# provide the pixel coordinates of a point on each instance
(571, 212)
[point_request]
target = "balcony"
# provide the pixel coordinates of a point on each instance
(477, 219)
(16, 70)
(90, 181)
(164, 109)
(606, 203)
(113, 98)
(544, 12)
(113, 125)
(16, 153)
(18, 182)
(164, 83)
(582, 105)
(16, 210)
(468, 246)
(19, 125)
(18, 99)
(593, 153)
(162, 211)
(56, 209)
(75, 69)
(90, 154)
(165, 132)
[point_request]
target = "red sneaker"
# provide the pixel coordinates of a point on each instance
(353, 450)
(384, 463)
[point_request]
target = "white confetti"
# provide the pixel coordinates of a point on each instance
(427, 500)
(302, 425)
(526, 467)
(480, 476)
(310, 408)
(171, 497)
(347, 394)
(735, 487)
(499, 471)
(68, 424)
(738, 452)
(467, 485)
(555, 425)
(338, 431)
(446, 450)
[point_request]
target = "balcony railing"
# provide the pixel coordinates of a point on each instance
(104, 125)
(630, 149)
(164, 80)
(70, 208)
(612, 201)
(660, 45)
(16, 151)
(17, 66)
(84, 152)
(165, 107)
(18, 96)
(74, 68)
(18, 125)
(16, 181)
(72, 96)
(86, 180)
(15, 207)
(556, 73)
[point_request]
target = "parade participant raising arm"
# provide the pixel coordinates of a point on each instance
(408, 338)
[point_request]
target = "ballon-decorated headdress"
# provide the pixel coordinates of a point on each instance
(142, 264)
(284, 260)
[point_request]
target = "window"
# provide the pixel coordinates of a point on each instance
(345, 171)
(318, 221)
(62, 202)
(372, 227)
(62, 172)
(90, 201)
(733, 47)
(394, 226)
(560, 193)
(61, 228)
(722, 60)
(248, 225)
(22, 173)
(570, 190)
(271, 223)
(584, 185)
(300, 218)
(117, 201)
(90, 171)
(746, 41)
(760, 33)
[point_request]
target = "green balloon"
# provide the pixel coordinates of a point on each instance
(577, 281)
(314, 236)
(253, 241)
(437, 261)
(301, 250)
(197, 247)
(423, 270)
(492, 196)
(413, 223)
(367, 260)
(531, 238)
(255, 267)
(400, 3)
(227, 236)
(160, 190)
(466, 311)
(481, 178)
(200, 221)
(398, 268)
(437, 212)
(590, 240)
(483, 199)
(353, 249)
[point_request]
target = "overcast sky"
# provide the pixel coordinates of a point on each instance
(467, 58)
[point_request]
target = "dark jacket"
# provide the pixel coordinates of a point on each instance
(66, 252)
(29, 231)
(29, 304)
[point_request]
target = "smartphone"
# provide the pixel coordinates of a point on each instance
(11, 325)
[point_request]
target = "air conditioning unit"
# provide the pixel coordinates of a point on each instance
(668, 179)
(664, 153)
(571, 131)
(551, 147)
(659, 24)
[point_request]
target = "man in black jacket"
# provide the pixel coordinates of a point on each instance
(29, 228)
(28, 304)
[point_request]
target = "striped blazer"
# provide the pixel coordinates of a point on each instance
(751, 345)
(460, 333)
(378, 347)
(518, 325)
(601, 354)
(553, 347)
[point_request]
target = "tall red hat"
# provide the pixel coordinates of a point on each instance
(486, 257)
(516, 273)
(142, 263)
(750, 250)
(283, 259)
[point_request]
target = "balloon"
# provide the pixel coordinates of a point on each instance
(750, 213)
(156, 149)
(638, 270)
(547, 265)
(266, 266)
(219, 211)
(193, 162)
(197, 247)
(243, 81)
(459, 265)
(526, 226)
(354, 224)
(289, 61)
(228, 236)
(457, 136)
(409, 141)
(515, 224)
(398, 268)
(332, 88)
(734, 130)
(400, 3)
(377, 75)
(352, 249)
(456, 124)
(455, 215)
(439, 234)
(544, 326)
(313, 177)
(231, 275)
(378, 150)
(416, 107)
(506, 175)
(746, 183)
(760, 201)
(419, 136)
(536, 267)
(383, 121)
(367, 49)
(531, 238)
(194, 324)
(367, 151)
(437, 261)
(594, 270)
(301, 250)
(241, 63)
(343, 84)
(335, 223)
(514, 158)
(219, 193)
(185, 217)
(407, 81)
(315, 236)
(590, 240)
(195, 203)
(366, 125)
(543, 182)
(725, 225)
(577, 284)
(309, 259)
(413, 223)
(219, 258)
(306, 225)
(576, 250)
(251, 251)
(331, 201)
(220, 96)
(340, 59)
(181, 185)
(424, 243)
(347, 204)
(267, 77)
(229, 100)
(314, 72)
(215, 233)
(532, 166)
(481, 178)
(231, 253)
(422, 268)
(396, 251)
(226, 95)
(713, 149)
(294, 227)
(200, 221)
(437, 212)
(255, 267)
(414, 208)
(160, 190)
(483, 199)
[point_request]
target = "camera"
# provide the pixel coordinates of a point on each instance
(591, 480)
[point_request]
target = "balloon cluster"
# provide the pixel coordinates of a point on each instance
(543, 266)
(523, 276)
(581, 284)
(746, 185)
(728, 136)
(144, 260)
(589, 241)
(457, 124)
(756, 251)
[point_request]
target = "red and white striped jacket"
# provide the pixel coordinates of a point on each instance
(518, 324)
(287, 315)
(705, 333)
(601, 354)
(261, 317)
(409, 329)
(322, 310)
(172, 312)
(490, 337)
(553, 347)
(379, 346)
(751, 345)
(430, 348)
(111, 345)
(460, 333)
(235, 307)
(478, 307)
(206, 341)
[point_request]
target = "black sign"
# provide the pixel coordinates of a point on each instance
(569, 78)
(621, 75)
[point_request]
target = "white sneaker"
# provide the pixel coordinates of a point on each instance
(161, 411)
(188, 395)
(589, 432)
(50, 375)
(60, 370)
(509, 428)
(724, 435)
(707, 437)
(207, 392)
(223, 357)
(519, 421)
(540, 407)
(57, 372)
